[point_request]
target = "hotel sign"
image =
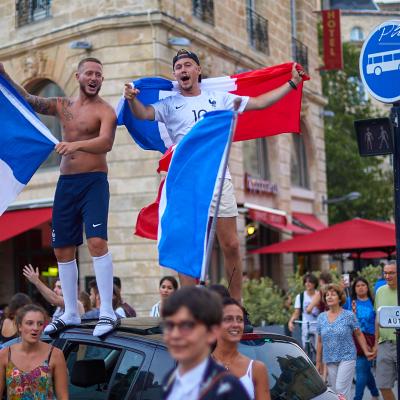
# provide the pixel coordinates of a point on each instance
(333, 57)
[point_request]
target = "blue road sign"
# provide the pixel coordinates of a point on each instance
(380, 62)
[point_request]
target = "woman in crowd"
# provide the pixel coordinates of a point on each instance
(32, 369)
(362, 305)
(84, 298)
(167, 286)
(8, 329)
(252, 374)
(335, 344)
(117, 302)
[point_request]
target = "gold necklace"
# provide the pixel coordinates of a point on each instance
(224, 364)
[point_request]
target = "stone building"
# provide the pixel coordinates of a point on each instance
(41, 43)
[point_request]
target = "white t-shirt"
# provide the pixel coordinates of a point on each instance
(306, 316)
(180, 113)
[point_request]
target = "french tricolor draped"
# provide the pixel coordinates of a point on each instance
(25, 143)
(282, 117)
(186, 195)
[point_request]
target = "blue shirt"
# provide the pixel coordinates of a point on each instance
(337, 336)
(365, 314)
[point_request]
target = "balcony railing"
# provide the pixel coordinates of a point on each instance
(257, 29)
(204, 10)
(28, 11)
(300, 53)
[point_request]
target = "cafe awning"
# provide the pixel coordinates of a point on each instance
(346, 237)
(309, 220)
(273, 218)
(13, 223)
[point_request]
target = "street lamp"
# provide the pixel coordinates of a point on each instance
(347, 197)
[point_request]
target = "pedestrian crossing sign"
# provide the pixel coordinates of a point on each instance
(374, 136)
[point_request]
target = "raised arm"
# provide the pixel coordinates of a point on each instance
(267, 99)
(98, 145)
(41, 105)
(139, 110)
(33, 277)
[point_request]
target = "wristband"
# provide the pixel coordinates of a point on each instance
(292, 84)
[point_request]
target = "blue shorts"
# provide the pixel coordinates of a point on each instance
(80, 199)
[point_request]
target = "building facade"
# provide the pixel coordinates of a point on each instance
(280, 177)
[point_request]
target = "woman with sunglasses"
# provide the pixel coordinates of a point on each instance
(32, 369)
(252, 374)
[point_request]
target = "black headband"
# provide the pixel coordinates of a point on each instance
(185, 54)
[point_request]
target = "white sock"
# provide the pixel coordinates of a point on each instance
(68, 273)
(103, 269)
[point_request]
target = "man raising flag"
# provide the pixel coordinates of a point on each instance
(180, 113)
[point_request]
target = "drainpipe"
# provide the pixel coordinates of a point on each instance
(293, 21)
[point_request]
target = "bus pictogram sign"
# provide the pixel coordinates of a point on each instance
(380, 62)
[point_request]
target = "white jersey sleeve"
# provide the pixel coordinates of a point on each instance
(229, 99)
(161, 109)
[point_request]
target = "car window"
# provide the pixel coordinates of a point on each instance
(161, 364)
(127, 373)
(76, 354)
(291, 375)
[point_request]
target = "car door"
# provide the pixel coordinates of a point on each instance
(111, 369)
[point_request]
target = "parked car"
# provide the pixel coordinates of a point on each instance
(131, 363)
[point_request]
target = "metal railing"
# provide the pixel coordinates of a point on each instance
(300, 53)
(257, 29)
(204, 10)
(28, 11)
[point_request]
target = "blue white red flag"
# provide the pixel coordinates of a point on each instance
(187, 194)
(281, 117)
(25, 143)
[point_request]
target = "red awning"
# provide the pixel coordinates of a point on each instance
(13, 223)
(275, 220)
(345, 237)
(309, 220)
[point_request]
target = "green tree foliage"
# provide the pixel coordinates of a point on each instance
(265, 302)
(371, 273)
(346, 170)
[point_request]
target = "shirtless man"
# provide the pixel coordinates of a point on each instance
(82, 193)
(180, 113)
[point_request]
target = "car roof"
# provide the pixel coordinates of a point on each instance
(150, 328)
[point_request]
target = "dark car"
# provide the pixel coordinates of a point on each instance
(131, 363)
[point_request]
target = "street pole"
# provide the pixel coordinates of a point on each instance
(395, 117)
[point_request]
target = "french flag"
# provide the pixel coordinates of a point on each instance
(282, 117)
(188, 191)
(25, 143)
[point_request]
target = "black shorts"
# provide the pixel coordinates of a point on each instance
(80, 199)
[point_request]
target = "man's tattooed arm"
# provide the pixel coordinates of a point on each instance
(42, 105)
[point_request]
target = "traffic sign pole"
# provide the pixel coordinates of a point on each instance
(395, 115)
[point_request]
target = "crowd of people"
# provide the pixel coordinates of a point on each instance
(341, 322)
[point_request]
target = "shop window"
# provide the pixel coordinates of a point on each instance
(47, 88)
(255, 158)
(299, 168)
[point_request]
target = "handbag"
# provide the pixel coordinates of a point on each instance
(369, 338)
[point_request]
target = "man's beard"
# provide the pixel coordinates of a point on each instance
(83, 88)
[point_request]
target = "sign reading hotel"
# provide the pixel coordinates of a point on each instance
(333, 56)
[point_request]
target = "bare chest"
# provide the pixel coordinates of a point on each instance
(79, 121)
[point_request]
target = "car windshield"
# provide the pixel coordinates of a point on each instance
(291, 375)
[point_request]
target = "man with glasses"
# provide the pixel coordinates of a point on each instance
(385, 338)
(191, 320)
